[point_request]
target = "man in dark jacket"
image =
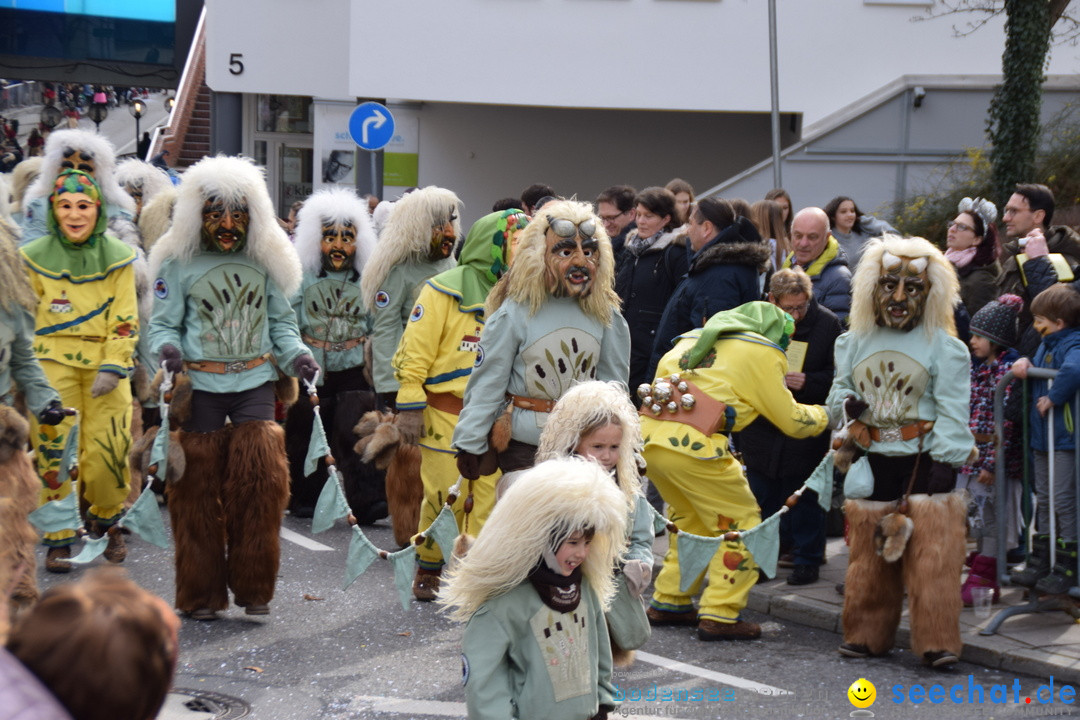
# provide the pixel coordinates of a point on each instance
(726, 262)
(817, 252)
(776, 465)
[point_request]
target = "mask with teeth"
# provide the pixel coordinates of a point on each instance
(901, 291)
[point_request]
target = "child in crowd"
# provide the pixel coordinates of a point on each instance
(533, 590)
(993, 333)
(596, 420)
(1056, 313)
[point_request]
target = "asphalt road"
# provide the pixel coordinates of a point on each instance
(326, 653)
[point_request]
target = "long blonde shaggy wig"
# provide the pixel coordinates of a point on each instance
(156, 216)
(940, 301)
(407, 235)
(15, 287)
(326, 207)
(587, 407)
(104, 166)
(22, 177)
(541, 509)
(526, 282)
(232, 180)
(134, 174)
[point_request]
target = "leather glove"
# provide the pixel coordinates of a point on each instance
(171, 359)
(104, 383)
(54, 414)
(468, 465)
(306, 367)
(854, 407)
(942, 478)
(638, 573)
(410, 423)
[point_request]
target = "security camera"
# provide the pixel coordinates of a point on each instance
(920, 93)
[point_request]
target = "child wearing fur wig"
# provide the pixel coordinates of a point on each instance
(596, 420)
(533, 589)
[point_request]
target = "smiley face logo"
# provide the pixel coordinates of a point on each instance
(862, 693)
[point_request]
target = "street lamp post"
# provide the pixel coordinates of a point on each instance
(98, 112)
(137, 109)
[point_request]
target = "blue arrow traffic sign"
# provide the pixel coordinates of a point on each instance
(371, 126)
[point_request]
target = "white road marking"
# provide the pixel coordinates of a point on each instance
(303, 541)
(403, 706)
(687, 669)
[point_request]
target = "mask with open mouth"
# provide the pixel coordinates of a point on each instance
(572, 252)
(443, 237)
(338, 245)
(901, 291)
(224, 226)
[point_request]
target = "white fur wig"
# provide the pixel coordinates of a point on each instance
(940, 301)
(542, 508)
(61, 141)
(407, 235)
(135, 174)
(526, 281)
(381, 215)
(232, 180)
(22, 177)
(332, 206)
(586, 407)
(156, 216)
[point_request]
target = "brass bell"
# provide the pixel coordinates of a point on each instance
(655, 409)
(674, 378)
(662, 392)
(647, 400)
(644, 389)
(683, 387)
(673, 407)
(688, 402)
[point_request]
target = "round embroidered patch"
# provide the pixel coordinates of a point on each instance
(161, 289)
(417, 313)
(479, 356)
(382, 299)
(464, 669)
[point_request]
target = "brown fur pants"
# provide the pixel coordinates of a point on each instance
(226, 514)
(930, 570)
(19, 487)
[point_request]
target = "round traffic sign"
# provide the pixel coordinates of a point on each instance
(371, 125)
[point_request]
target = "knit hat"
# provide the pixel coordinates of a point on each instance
(996, 321)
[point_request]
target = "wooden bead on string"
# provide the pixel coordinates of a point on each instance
(352, 520)
(330, 460)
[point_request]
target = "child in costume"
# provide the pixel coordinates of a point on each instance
(1056, 313)
(596, 420)
(87, 325)
(434, 359)
(334, 240)
(993, 333)
(533, 589)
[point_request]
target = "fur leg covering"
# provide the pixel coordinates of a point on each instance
(931, 568)
(256, 493)
(19, 487)
(404, 492)
(873, 593)
(198, 522)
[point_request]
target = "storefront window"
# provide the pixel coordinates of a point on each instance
(284, 114)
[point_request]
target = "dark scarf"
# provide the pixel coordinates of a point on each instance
(559, 592)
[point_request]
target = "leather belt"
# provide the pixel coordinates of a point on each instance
(334, 346)
(446, 402)
(226, 368)
(983, 437)
(706, 415)
(900, 434)
(534, 404)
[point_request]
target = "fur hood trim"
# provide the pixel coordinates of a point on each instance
(586, 407)
(542, 508)
(233, 179)
(526, 281)
(104, 167)
(22, 177)
(332, 205)
(940, 301)
(156, 217)
(406, 238)
(754, 254)
(135, 174)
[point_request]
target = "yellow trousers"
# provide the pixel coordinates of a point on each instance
(104, 440)
(707, 498)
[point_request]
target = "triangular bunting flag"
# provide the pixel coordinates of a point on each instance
(763, 542)
(317, 446)
(91, 550)
(443, 531)
(821, 482)
(144, 519)
(361, 554)
(659, 522)
(57, 515)
(695, 552)
(404, 567)
(159, 451)
(331, 505)
(70, 458)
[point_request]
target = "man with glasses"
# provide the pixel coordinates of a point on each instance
(553, 320)
(776, 464)
(615, 207)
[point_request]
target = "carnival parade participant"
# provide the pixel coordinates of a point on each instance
(224, 274)
(432, 365)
